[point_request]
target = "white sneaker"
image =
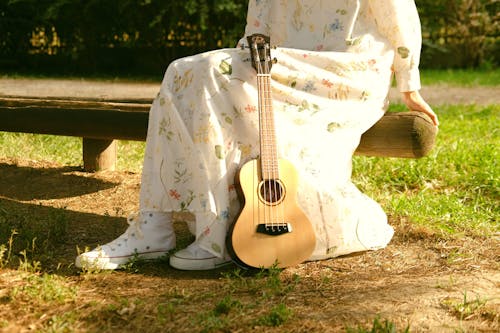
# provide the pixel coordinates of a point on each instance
(149, 236)
(194, 258)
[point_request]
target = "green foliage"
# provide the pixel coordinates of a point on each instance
(265, 283)
(460, 33)
(141, 37)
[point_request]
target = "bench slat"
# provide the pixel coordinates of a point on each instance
(403, 134)
(87, 123)
(408, 134)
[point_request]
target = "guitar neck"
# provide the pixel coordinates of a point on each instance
(268, 151)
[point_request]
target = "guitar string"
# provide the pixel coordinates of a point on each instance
(270, 195)
(279, 190)
(264, 151)
(273, 166)
(262, 144)
(272, 188)
(271, 191)
(263, 190)
(271, 142)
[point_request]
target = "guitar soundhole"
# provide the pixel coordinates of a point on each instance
(271, 191)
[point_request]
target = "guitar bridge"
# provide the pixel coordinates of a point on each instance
(274, 229)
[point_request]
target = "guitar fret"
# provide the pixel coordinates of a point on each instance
(271, 210)
(269, 156)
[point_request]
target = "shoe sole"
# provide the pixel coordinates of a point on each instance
(112, 263)
(197, 264)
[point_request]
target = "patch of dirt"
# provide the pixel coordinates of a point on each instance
(419, 280)
(443, 94)
(434, 95)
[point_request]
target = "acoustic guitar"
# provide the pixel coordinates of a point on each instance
(271, 230)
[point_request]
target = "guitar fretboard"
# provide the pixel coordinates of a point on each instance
(268, 152)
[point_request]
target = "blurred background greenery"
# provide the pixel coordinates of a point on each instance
(141, 37)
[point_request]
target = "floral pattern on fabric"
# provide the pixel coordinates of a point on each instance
(330, 84)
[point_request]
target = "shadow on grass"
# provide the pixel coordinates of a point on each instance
(53, 237)
(27, 183)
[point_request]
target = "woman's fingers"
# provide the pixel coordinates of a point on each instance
(414, 101)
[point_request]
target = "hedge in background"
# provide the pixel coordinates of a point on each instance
(143, 36)
(460, 33)
(135, 36)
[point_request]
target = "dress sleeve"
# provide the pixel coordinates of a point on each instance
(399, 22)
(257, 19)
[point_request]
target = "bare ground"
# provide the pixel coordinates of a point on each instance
(419, 280)
(435, 95)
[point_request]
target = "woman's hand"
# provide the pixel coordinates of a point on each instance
(415, 102)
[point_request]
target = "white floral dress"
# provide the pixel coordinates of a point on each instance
(334, 67)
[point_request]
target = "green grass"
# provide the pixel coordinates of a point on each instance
(64, 150)
(454, 190)
(466, 307)
(454, 77)
(60, 149)
(461, 77)
(379, 326)
(44, 288)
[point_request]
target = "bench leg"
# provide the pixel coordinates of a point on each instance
(99, 154)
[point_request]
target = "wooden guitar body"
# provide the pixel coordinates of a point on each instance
(271, 229)
(270, 232)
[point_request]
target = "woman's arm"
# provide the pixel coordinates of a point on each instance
(399, 22)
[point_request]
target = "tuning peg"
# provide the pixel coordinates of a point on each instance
(275, 60)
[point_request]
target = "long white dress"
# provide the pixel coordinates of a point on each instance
(330, 84)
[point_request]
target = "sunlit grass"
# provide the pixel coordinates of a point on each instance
(60, 149)
(130, 155)
(65, 150)
(456, 188)
(454, 191)
(461, 77)
(452, 77)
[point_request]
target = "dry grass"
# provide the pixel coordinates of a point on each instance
(429, 279)
(419, 281)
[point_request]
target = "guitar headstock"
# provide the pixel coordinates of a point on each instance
(260, 51)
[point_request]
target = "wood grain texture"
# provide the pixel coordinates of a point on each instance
(403, 134)
(399, 134)
(260, 250)
(99, 154)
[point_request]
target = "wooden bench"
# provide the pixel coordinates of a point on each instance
(100, 122)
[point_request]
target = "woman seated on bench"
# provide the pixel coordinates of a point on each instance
(335, 61)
